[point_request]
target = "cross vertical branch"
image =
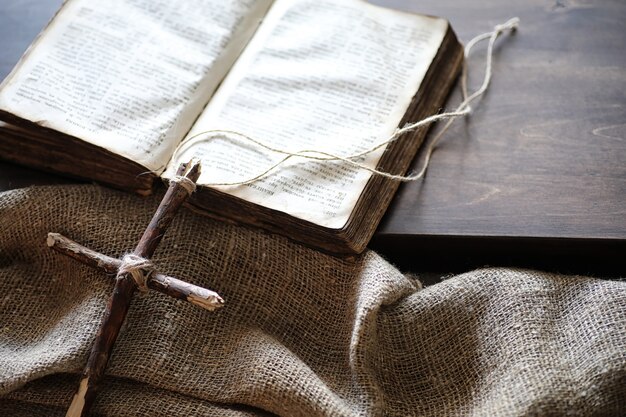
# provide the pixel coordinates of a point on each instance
(179, 190)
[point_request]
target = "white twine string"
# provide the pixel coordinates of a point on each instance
(139, 268)
(185, 182)
(463, 109)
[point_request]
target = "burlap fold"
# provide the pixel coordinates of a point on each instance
(302, 333)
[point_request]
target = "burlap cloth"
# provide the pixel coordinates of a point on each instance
(302, 333)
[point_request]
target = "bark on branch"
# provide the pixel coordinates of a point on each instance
(174, 287)
(125, 286)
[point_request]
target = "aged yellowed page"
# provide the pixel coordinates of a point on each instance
(335, 76)
(130, 76)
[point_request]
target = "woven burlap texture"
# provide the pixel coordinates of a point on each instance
(302, 333)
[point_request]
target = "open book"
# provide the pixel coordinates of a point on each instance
(110, 91)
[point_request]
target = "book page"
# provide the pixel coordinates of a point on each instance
(130, 76)
(328, 75)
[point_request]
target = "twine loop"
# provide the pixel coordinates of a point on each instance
(462, 110)
(139, 268)
(510, 24)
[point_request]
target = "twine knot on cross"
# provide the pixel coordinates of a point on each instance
(139, 268)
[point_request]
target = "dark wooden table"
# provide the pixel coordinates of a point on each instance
(535, 177)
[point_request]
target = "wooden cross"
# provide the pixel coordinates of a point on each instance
(130, 271)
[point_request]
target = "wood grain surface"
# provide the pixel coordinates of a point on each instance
(535, 177)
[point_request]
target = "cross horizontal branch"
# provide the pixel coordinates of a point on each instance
(174, 287)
